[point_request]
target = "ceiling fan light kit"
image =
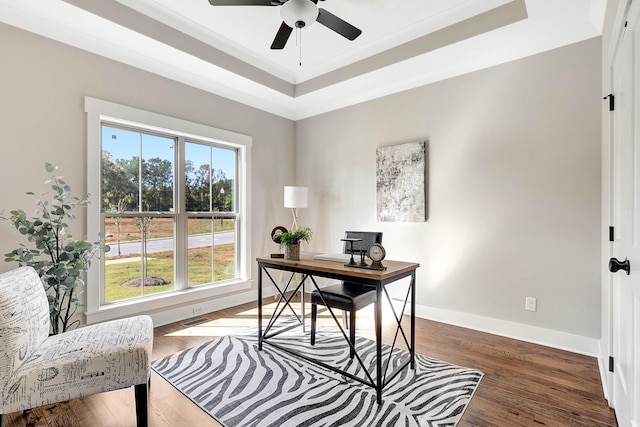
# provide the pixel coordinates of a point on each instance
(299, 13)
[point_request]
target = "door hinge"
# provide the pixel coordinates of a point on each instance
(611, 101)
(610, 363)
(612, 233)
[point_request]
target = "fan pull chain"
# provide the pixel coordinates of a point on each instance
(299, 43)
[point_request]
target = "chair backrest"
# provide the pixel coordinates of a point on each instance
(24, 319)
(368, 239)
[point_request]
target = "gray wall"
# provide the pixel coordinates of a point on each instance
(514, 169)
(42, 88)
(514, 187)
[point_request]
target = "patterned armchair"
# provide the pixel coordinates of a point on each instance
(37, 369)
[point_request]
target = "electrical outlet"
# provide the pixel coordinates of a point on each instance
(531, 304)
(198, 310)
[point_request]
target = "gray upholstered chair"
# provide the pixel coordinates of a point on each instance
(37, 369)
(346, 296)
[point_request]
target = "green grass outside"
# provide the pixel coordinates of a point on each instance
(160, 264)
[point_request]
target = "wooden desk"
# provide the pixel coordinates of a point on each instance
(310, 268)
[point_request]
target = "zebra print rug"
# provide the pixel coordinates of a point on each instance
(240, 386)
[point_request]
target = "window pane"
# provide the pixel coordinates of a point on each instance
(120, 170)
(212, 250)
(200, 257)
(224, 252)
(209, 178)
(197, 177)
(157, 173)
(137, 168)
(224, 165)
(142, 253)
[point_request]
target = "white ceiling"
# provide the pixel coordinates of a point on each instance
(226, 49)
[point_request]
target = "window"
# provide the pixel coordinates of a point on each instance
(172, 202)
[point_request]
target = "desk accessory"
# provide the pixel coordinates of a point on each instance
(336, 257)
(276, 235)
(292, 240)
(352, 262)
(376, 253)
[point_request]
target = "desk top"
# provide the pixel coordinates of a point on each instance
(306, 262)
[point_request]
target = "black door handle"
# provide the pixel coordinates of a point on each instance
(615, 265)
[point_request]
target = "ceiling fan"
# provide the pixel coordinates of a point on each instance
(297, 14)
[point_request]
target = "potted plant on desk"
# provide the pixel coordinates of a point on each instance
(291, 241)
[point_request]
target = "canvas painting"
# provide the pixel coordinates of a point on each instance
(401, 191)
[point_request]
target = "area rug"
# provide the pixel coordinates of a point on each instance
(240, 386)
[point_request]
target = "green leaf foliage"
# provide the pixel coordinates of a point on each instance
(303, 234)
(58, 258)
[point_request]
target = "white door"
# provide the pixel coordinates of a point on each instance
(626, 218)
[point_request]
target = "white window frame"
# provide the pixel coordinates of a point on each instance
(98, 111)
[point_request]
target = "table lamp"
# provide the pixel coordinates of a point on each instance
(295, 198)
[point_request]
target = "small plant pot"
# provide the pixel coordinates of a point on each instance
(292, 252)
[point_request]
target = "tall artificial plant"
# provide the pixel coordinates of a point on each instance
(58, 258)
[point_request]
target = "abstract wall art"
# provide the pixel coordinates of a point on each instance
(401, 182)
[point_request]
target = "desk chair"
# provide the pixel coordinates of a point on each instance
(347, 296)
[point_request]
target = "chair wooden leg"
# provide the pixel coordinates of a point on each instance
(352, 331)
(314, 314)
(142, 415)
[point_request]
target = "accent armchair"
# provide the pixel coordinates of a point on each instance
(37, 369)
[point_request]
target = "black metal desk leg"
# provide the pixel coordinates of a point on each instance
(304, 324)
(378, 315)
(413, 320)
(259, 307)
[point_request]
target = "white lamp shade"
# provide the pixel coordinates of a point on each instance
(294, 11)
(295, 197)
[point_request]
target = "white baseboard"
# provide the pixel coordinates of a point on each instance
(164, 317)
(547, 337)
(533, 334)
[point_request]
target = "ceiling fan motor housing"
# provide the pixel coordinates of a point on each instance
(299, 13)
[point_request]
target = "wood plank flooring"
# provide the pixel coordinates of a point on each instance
(524, 384)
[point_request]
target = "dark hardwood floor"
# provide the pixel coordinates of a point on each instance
(524, 384)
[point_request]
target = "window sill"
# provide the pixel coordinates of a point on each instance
(164, 301)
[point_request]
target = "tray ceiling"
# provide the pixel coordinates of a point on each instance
(226, 49)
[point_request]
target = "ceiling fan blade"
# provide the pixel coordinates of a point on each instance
(281, 37)
(338, 25)
(244, 3)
